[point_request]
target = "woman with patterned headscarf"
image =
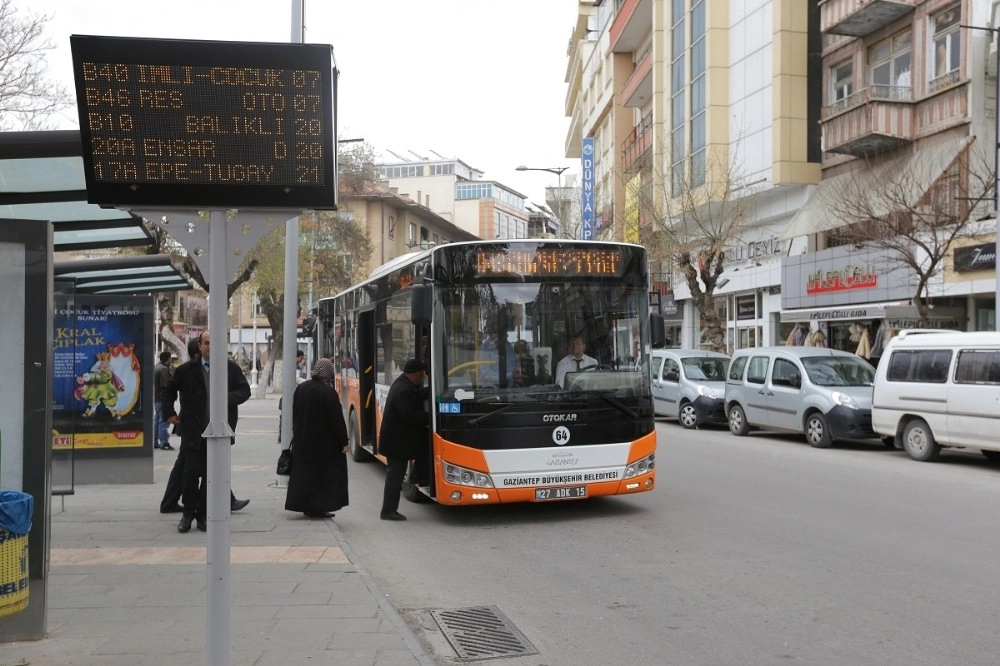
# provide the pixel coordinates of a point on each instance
(317, 485)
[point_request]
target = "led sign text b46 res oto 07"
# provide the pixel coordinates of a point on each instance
(214, 124)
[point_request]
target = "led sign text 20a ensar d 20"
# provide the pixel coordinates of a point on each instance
(214, 124)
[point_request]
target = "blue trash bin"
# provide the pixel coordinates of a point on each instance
(16, 509)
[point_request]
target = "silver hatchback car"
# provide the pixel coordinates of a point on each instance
(689, 384)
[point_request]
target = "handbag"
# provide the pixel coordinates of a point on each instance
(285, 462)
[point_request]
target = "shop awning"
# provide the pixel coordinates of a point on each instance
(840, 312)
(918, 172)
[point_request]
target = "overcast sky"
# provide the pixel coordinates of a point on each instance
(480, 80)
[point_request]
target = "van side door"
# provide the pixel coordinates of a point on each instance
(974, 399)
(784, 395)
(755, 390)
(659, 396)
(917, 379)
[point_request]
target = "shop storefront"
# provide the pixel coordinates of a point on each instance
(855, 300)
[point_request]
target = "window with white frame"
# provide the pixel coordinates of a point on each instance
(889, 61)
(411, 234)
(842, 81)
(946, 41)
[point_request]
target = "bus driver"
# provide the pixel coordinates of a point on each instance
(574, 361)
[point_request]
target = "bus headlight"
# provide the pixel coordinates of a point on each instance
(640, 466)
(461, 476)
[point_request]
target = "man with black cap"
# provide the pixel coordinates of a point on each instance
(403, 433)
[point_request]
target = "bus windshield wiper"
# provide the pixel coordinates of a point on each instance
(479, 419)
(614, 401)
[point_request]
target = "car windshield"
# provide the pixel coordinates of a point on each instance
(839, 371)
(705, 369)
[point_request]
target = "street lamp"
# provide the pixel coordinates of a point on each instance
(556, 170)
(560, 214)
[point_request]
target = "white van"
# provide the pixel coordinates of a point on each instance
(825, 394)
(935, 389)
(689, 385)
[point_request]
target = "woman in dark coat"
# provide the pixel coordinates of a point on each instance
(317, 485)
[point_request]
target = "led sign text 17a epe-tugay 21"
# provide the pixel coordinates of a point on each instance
(212, 124)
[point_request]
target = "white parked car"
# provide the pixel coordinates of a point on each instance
(689, 385)
(824, 393)
(939, 389)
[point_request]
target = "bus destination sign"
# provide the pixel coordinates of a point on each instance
(568, 262)
(199, 123)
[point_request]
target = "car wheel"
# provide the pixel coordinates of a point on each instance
(991, 455)
(358, 453)
(818, 431)
(688, 417)
(738, 421)
(918, 441)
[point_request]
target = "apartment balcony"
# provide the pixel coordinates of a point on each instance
(633, 22)
(859, 18)
(637, 145)
(638, 88)
(871, 121)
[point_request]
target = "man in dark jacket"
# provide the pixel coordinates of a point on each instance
(317, 485)
(191, 382)
(403, 433)
(175, 482)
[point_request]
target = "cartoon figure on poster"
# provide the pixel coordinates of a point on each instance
(112, 382)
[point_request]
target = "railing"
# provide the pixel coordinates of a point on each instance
(943, 81)
(636, 142)
(878, 92)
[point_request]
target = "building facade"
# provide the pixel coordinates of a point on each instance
(679, 95)
(459, 194)
(787, 102)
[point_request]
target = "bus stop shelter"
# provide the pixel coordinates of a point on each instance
(44, 211)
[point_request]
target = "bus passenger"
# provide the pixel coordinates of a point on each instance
(404, 433)
(574, 361)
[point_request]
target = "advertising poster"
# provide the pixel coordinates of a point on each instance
(99, 352)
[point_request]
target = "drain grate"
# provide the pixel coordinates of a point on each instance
(482, 632)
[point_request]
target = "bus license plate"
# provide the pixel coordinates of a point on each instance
(565, 492)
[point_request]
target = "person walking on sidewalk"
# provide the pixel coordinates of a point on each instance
(191, 383)
(161, 378)
(317, 485)
(175, 482)
(404, 432)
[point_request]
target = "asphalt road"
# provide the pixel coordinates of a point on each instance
(756, 550)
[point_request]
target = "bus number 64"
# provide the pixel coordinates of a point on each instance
(561, 435)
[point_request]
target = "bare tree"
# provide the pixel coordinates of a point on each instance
(28, 98)
(687, 218)
(914, 210)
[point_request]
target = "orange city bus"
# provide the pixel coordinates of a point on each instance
(492, 320)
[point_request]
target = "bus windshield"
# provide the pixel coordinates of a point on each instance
(545, 340)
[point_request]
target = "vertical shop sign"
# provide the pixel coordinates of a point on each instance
(587, 191)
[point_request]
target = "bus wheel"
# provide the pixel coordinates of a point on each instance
(358, 453)
(918, 441)
(410, 491)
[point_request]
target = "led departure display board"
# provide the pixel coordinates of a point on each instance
(213, 124)
(559, 262)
